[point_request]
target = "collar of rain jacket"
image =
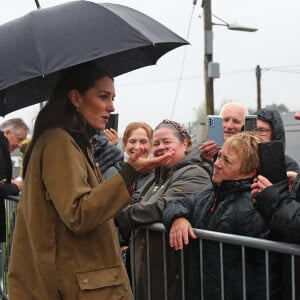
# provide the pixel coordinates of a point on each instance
(228, 187)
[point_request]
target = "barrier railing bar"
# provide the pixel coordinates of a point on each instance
(267, 275)
(246, 241)
(165, 267)
(222, 271)
(182, 274)
(201, 267)
(244, 273)
(293, 277)
(148, 264)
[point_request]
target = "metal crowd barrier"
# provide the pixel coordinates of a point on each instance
(11, 204)
(267, 246)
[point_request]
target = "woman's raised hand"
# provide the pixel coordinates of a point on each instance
(141, 164)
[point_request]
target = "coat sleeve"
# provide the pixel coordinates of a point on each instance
(247, 220)
(281, 209)
(71, 186)
(9, 189)
(180, 208)
(149, 210)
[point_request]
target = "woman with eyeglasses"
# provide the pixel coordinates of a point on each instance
(270, 128)
(280, 208)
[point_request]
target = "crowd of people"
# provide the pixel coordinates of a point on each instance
(83, 198)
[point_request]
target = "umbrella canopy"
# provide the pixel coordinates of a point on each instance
(35, 47)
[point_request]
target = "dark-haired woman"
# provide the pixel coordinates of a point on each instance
(65, 245)
(178, 177)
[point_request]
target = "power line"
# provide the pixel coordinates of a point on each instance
(197, 76)
(183, 60)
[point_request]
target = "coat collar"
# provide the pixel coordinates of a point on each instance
(232, 186)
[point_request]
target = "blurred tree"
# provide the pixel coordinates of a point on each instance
(279, 107)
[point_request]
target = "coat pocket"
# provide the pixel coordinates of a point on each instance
(97, 279)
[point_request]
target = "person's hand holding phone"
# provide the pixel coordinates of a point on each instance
(208, 150)
(112, 135)
(259, 184)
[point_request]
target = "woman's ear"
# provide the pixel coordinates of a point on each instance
(75, 98)
(186, 145)
(253, 173)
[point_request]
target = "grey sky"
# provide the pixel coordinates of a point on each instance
(149, 94)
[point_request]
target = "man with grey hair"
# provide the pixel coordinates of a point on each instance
(233, 114)
(13, 132)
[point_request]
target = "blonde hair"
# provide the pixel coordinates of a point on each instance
(133, 126)
(245, 146)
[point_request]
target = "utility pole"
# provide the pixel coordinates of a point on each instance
(208, 56)
(258, 86)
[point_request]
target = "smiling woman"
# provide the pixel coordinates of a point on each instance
(179, 176)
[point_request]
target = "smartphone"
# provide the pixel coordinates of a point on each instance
(250, 123)
(272, 161)
(113, 122)
(215, 129)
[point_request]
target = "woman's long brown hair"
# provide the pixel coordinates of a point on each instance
(59, 110)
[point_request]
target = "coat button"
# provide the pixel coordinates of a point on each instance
(85, 281)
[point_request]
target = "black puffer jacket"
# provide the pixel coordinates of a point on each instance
(281, 211)
(273, 117)
(227, 209)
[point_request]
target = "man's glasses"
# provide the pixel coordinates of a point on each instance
(262, 131)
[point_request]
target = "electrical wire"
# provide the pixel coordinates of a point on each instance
(183, 61)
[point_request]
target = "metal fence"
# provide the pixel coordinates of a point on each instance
(267, 247)
(11, 205)
(152, 271)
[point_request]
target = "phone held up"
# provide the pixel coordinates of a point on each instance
(215, 129)
(272, 161)
(250, 123)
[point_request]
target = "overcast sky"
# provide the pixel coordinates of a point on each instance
(150, 94)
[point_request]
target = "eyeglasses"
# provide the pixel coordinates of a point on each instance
(262, 131)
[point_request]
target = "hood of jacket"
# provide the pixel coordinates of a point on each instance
(273, 117)
(193, 157)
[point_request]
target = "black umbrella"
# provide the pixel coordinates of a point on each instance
(34, 48)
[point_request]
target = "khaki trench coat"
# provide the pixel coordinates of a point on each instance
(65, 244)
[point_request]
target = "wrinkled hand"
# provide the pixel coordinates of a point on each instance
(180, 231)
(141, 164)
(208, 150)
(112, 135)
(260, 183)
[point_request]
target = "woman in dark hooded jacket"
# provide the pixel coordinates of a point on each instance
(270, 128)
(280, 209)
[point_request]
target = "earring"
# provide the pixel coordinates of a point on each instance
(77, 107)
